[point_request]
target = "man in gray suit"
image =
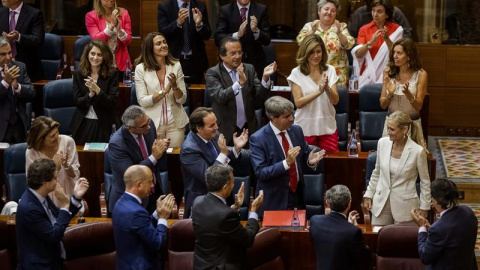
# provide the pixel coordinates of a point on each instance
(15, 90)
(233, 87)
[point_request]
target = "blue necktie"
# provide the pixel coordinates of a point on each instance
(212, 149)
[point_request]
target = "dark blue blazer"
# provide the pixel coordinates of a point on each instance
(338, 244)
(125, 152)
(31, 27)
(266, 155)
(450, 241)
(195, 158)
(26, 94)
(38, 240)
(138, 239)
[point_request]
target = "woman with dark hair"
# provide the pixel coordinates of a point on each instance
(335, 36)
(111, 24)
(375, 40)
(44, 141)
(404, 83)
(314, 90)
(161, 89)
(96, 91)
(392, 193)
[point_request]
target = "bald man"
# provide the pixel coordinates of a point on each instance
(139, 237)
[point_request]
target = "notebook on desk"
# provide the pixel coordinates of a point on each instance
(282, 219)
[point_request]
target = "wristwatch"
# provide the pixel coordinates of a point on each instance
(368, 46)
(76, 199)
(161, 92)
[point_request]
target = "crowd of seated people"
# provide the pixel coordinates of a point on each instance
(279, 151)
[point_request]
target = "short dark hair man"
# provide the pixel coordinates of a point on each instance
(338, 243)
(279, 156)
(221, 241)
(136, 142)
(15, 90)
(203, 147)
(234, 89)
(26, 34)
(40, 224)
(450, 242)
(139, 236)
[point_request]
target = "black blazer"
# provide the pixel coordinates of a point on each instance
(228, 23)
(338, 244)
(167, 25)
(104, 104)
(26, 94)
(221, 241)
(31, 27)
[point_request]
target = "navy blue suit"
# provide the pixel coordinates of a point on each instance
(450, 241)
(267, 157)
(338, 244)
(38, 240)
(138, 239)
(125, 152)
(195, 158)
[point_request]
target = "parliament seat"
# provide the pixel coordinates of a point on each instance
(5, 260)
(90, 246)
(51, 56)
(78, 48)
(341, 117)
(58, 102)
(266, 251)
(15, 176)
(397, 248)
(313, 194)
(371, 116)
(181, 244)
(106, 186)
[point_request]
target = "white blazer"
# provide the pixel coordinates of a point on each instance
(402, 188)
(146, 84)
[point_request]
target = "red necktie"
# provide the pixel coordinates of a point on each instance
(293, 166)
(243, 13)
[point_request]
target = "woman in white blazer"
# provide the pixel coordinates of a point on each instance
(391, 193)
(161, 89)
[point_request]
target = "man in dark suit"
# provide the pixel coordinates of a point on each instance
(234, 88)
(338, 243)
(26, 34)
(139, 236)
(248, 22)
(186, 29)
(279, 156)
(221, 241)
(450, 242)
(136, 142)
(40, 224)
(15, 91)
(202, 148)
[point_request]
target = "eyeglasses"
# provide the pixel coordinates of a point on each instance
(239, 53)
(142, 127)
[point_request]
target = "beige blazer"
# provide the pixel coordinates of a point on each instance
(401, 189)
(146, 83)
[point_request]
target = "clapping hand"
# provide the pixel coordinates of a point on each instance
(292, 155)
(257, 203)
(325, 87)
(315, 156)
(269, 70)
(172, 83)
(339, 26)
(165, 205)
(81, 186)
(197, 16)
(159, 147)
(389, 86)
(62, 197)
(222, 144)
(13, 35)
(242, 78)
(11, 74)
(242, 29)
(240, 141)
(239, 197)
(182, 16)
(253, 24)
(92, 86)
(419, 219)
(352, 217)
(385, 33)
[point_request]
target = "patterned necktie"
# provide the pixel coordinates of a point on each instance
(212, 149)
(243, 13)
(239, 102)
(12, 28)
(186, 35)
(293, 166)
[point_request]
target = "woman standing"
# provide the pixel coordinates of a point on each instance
(44, 141)
(405, 83)
(111, 24)
(314, 90)
(335, 36)
(375, 40)
(161, 89)
(96, 91)
(391, 193)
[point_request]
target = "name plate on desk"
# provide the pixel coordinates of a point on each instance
(282, 219)
(95, 146)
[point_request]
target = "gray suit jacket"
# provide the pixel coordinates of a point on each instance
(219, 86)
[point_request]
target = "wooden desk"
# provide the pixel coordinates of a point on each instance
(123, 99)
(297, 248)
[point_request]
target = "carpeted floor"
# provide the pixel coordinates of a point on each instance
(458, 158)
